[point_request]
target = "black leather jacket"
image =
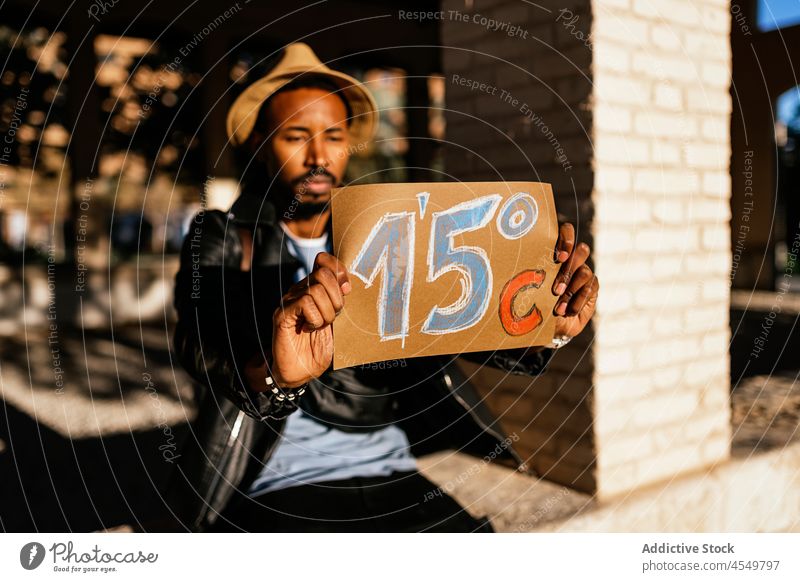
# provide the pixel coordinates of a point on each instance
(225, 317)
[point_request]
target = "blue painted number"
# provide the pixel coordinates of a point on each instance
(390, 247)
(471, 262)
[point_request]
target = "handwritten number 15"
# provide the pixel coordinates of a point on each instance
(389, 247)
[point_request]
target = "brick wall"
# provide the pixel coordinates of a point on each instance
(532, 121)
(635, 93)
(662, 239)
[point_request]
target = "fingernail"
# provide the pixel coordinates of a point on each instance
(560, 288)
(346, 287)
(561, 309)
(562, 256)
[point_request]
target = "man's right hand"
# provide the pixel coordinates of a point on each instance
(302, 336)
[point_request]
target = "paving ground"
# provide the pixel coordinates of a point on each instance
(766, 413)
(92, 455)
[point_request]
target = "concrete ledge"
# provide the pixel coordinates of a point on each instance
(513, 501)
(760, 493)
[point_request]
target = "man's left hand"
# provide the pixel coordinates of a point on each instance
(576, 285)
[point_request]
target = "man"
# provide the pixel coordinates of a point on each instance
(286, 443)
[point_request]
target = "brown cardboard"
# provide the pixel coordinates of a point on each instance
(520, 259)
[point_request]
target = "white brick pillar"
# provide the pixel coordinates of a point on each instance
(662, 240)
(634, 95)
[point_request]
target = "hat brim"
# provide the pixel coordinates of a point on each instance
(243, 113)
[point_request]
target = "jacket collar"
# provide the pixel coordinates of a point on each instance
(258, 213)
(253, 210)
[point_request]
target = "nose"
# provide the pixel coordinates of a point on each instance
(316, 153)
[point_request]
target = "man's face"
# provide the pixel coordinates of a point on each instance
(307, 152)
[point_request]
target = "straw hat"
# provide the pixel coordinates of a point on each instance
(299, 59)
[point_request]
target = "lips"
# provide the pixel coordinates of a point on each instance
(318, 185)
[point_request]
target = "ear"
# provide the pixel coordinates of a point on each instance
(259, 151)
(255, 143)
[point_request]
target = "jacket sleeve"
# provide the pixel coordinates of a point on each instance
(521, 361)
(220, 326)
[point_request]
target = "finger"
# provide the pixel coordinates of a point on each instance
(337, 267)
(578, 257)
(325, 277)
(323, 303)
(565, 242)
(296, 291)
(307, 312)
(583, 276)
(585, 295)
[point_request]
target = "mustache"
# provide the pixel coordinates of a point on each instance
(315, 173)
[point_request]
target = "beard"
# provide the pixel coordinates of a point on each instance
(298, 208)
(305, 210)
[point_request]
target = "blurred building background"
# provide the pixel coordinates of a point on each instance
(669, 131)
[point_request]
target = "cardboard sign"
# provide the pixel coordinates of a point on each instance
(444, 268)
